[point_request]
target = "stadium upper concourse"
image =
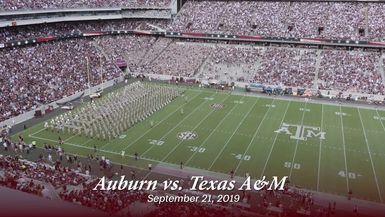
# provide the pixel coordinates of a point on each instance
(225, 62)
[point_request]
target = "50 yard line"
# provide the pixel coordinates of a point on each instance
(275, 139)
(370, 154)
(320, 147)
(296, 145)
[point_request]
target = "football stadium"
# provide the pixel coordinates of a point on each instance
(192, 108)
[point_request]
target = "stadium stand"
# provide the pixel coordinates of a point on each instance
(347, 20)
(57, 29)
(362, 75)
(45, 66)
(44, 73)
(9, 5)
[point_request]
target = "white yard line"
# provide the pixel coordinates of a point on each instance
(275, 139)
(69, 138)
(296, 144)
(343, 143)
(32, 135)
(42, 129)
(90, 148)
(254, 136)
(370, 155)
(180, 122)
(382, 124)
(88, 141)
(145, 133)
(200, 122)
(212, 132)
(239, 124)
(320, 147)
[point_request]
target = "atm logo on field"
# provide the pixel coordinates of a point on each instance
(301, 132)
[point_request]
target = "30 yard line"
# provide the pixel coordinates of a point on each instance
(200, 122)
(343, 144)
(207, 138)
(145, 133)
(254, 136)
(296, 144)
(239, 124)
(320, 147)
(370, 154)
(275, 139)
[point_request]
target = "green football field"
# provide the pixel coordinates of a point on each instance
(320, 147)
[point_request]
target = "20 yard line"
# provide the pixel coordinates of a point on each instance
(370, 155)
(275, 139)
(200, 122)
(343, 145)
(296, 144)
(320, 147)
(254, 136)
(214, 130)
(239, 124)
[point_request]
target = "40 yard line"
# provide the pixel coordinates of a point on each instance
(200, 122)
(239, 124)
(254, 136)
(343, 143)
(370, 154)
(207, 138)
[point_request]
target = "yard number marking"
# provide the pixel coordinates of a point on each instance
(289, 165)
(156, 142)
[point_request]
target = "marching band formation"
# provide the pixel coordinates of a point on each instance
(108, 117)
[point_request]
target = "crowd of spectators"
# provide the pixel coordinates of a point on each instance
(231, 63)
(130, 48)
(188, 209)
(354, 71)
(348, 20)
(56, 29)
(44, 73)
(10, 5)
(287, 67)
(57, 176)
(107, 201)
(38, 75)
(376, 24)
(178, 59)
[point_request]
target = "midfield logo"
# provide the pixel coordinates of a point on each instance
(301, 132)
